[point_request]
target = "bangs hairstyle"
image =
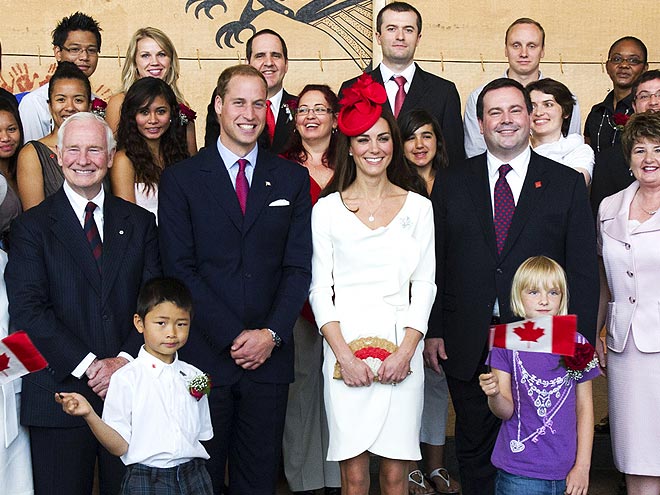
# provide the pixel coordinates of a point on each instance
(562, 96)
(172, 143)
(411, 121)
(76, 22)
(69, 70)
(163, 289)
(647, 76)
(129, 73)
(640, 127)
(538, 272)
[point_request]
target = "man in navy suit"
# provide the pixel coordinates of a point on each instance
(398, 32)
(77, 263)
(266, 51)
(551, 217)
(234, 225)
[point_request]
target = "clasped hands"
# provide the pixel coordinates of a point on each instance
(251, 348)
(394, 369)
(100, 371)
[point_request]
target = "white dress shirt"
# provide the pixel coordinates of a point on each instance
(391, 87)
(276, 103)
(150, 406)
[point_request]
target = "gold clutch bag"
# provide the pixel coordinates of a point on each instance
(372, 350)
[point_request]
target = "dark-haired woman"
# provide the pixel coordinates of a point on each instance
(305, 442)
(38, 175)
(373, 271)
(11, 140)
(149, 138)
(552, 107)
(425, 150)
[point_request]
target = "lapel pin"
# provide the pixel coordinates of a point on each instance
(121, 232)
(267, 183)
(537, 184)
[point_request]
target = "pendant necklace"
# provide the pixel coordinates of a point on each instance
(372, 218)
(648, 212)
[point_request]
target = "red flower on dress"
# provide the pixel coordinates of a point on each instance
(584, 353)
(620, 118)
(200, 386)
(98, 107)
(186, 114)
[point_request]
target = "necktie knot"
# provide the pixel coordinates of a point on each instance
(90, 207)
(504, 169)
(399, 80)
(268, 104)
(242, 163)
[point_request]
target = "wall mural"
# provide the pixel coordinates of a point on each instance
(348, 22)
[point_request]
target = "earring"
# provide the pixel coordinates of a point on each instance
(350, 153)
(630, 171)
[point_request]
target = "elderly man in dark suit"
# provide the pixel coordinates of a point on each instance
(234, 225)
(494, 212)
(266, 51)
(77, 263)
(408, 86)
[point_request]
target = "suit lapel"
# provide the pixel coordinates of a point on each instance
(416, 92)
(260, 190)
(68, 230)
(534, 186)
(216, 180)
(117, 232)
(478, 186)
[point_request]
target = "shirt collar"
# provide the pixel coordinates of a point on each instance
(276, 101)
(156, 365)
(229, 158)
(387, 73)
(519, 164)
(78, 202)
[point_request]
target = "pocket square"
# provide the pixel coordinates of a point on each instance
(280, 202)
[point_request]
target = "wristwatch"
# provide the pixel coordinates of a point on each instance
(277, 340)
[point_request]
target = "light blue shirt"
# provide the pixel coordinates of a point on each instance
(230, 158)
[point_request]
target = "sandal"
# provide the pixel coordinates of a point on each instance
(418, 479)
(447, 485)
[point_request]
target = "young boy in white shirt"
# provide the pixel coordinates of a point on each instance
(156, 411)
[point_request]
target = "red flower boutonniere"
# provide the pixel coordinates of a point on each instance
(200, 386)
(581, 362)
(290, 107)
(186, 114)
(98, 107)
(620, 120)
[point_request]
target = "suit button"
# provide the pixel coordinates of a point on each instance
(627, 246)
(106, 317)
(499, 271)
(631, 299)
(630, 274)
(248, 275)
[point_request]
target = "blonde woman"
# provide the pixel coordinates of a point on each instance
(151, 53)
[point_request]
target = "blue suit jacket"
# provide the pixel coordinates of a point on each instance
(244, 272)
(68, 309)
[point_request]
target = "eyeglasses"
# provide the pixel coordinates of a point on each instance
(647, 96)
(76, 50)
(317, 110)
(618, 60)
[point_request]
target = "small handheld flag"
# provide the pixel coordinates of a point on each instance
(18, 357)
(549, 334)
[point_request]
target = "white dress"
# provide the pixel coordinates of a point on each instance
(383, 281)
(147, 199)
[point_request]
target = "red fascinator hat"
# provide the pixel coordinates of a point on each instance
(361, 106)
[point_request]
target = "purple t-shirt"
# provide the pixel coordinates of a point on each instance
(540, 439)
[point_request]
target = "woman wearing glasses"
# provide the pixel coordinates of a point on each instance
(151, 53)
(313, 145)
(626, 61)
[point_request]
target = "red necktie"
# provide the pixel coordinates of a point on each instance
(270, 122)
(92, 233)
(504, 207)
(400, 94)
(242, 186)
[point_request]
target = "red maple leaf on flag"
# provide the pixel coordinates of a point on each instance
(4, 363)
(528, 332)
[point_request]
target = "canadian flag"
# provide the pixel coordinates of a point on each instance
(18, 357)
(549, 334)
